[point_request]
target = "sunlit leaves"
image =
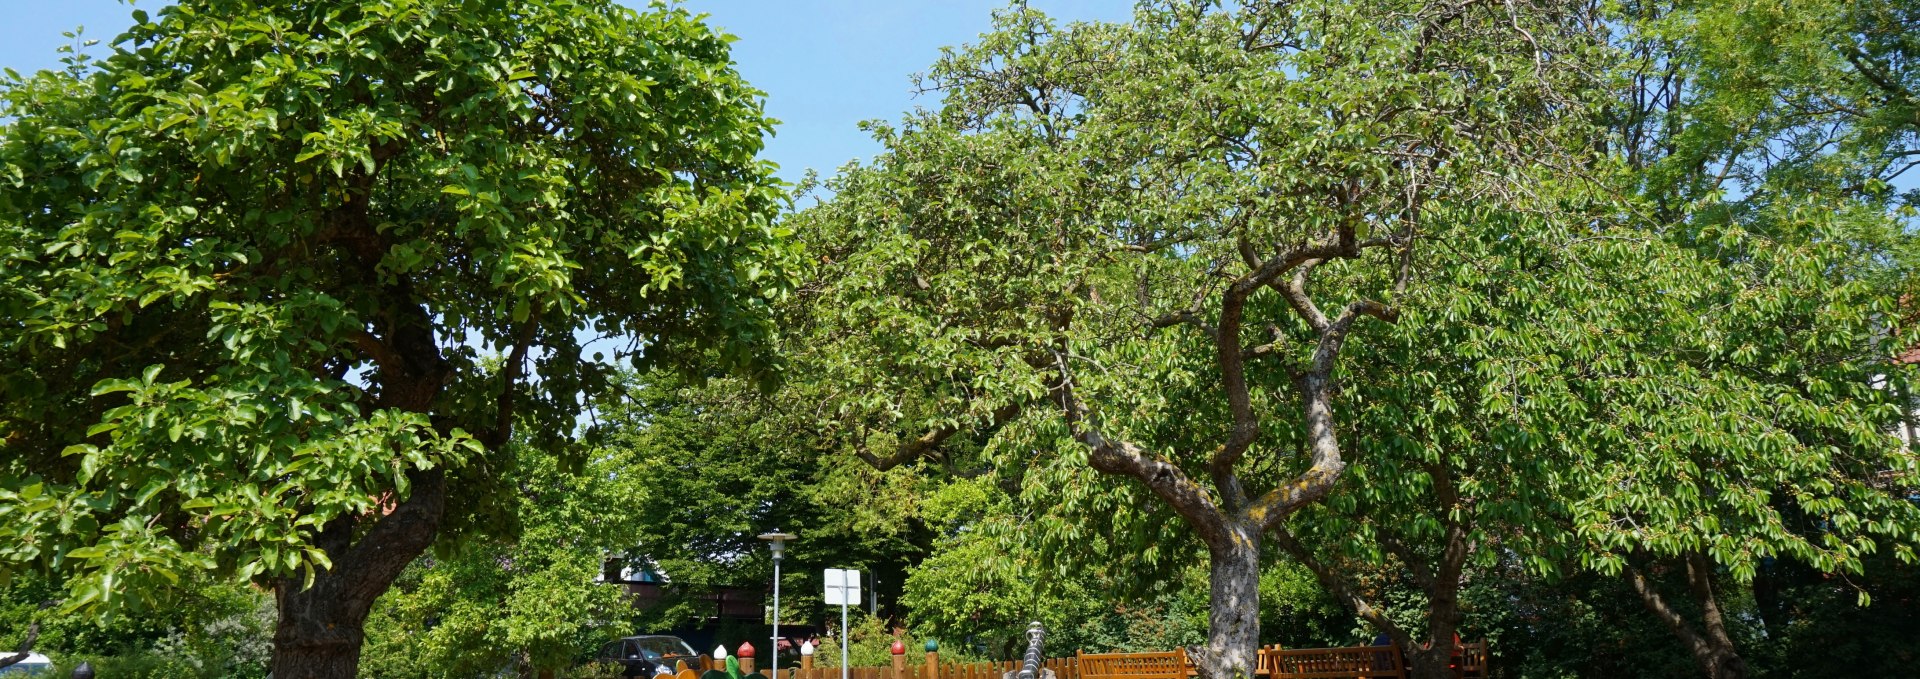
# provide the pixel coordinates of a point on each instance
(211, 239)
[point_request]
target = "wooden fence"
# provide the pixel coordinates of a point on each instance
(1357, 662)
(1063, 668)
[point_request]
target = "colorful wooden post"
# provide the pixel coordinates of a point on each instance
(933, 660)
(806, 655)
(899, 659)
(745, 654)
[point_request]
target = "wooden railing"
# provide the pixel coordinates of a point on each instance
(1353, 662)
(1356, 662)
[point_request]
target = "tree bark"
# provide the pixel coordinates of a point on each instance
(1233, 617)
(323, 626)
(1438, 659)
(1713, 650)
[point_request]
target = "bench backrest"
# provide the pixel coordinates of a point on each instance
(1473, 660)
(1333, 663)
(1165, 665)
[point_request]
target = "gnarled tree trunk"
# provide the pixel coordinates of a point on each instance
(1233, 616)
(323, 626)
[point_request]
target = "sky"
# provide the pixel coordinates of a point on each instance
(826, 65)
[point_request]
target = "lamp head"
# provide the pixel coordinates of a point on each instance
(777, 542)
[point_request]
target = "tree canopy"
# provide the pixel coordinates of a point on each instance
(1458, 315)
(280, 280)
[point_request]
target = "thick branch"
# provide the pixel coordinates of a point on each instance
(1700, 579)
(1162, 477)
(1658, 606)
(377, 558)
(383, 356)
(510, 375)
(913, 448)
(1315, 387)
(1337, 585)
(1295, 292)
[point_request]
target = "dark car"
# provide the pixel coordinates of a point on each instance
(645, 656)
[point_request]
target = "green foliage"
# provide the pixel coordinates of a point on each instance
(869, 643)
(982, 584)
(141, 665)
(256, 260)
(1124, 259)
(1296, 612)
(530, 601)
(593, 670)
(210, 630)
(720, 466)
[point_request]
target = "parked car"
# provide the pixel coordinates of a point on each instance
(34, 665)
(645, 656)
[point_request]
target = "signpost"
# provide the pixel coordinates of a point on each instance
(843, 587)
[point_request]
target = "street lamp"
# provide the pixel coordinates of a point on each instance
(777, 543)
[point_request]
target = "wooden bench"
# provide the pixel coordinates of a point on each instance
(1332, 663)
(1166, 665)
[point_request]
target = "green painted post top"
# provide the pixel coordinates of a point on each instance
(932, 646)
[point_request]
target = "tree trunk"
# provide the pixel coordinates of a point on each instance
(1437, 660)
(1726, 663)
(1233, 619)
(1713, 651)
(322, 627)
(319, 636)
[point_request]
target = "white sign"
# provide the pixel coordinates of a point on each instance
(843, 587)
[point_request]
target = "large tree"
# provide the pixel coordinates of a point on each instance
(1715, 398)
(1768, 140)
(280, 280)
(1143, 246)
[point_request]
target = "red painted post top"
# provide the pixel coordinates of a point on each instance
(899, 648)
(745, 650)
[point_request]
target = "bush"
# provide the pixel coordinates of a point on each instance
(206, 630)
(594, 670)
(141, 665)
(869, 644)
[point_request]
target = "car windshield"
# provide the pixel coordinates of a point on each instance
(655, 647)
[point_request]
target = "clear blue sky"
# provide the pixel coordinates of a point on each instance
(826, 65)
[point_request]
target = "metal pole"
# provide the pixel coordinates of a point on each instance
(843, 623)
(776, 616)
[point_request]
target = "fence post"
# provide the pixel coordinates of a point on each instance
(899, 651)
(745, 654)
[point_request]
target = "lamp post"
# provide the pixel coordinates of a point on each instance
(777, 543)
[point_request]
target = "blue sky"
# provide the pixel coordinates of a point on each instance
(826, 65)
